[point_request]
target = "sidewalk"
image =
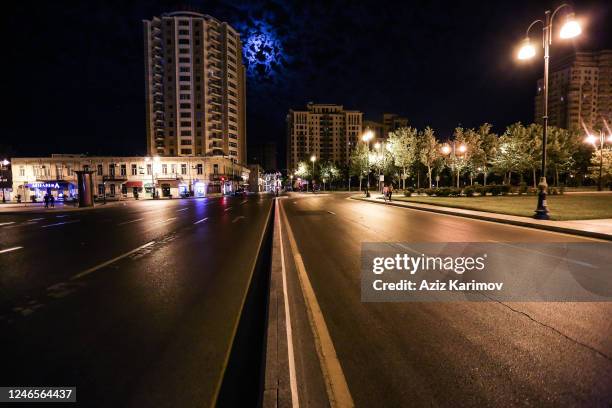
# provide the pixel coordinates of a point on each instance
(601, 229)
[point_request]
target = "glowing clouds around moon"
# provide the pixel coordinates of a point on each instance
(262, 51)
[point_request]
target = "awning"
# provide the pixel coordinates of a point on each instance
(169, 183)
(131, 184)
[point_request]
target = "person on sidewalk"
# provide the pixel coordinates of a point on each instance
(52, 199)
(46, 200)
(390, 191)
(385, 192)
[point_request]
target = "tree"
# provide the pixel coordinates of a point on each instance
(601, 166)
(329, 172)
(359, 162)
(303, 170)
(428, 151)
(402, 145)
(562, 145)
(512, 154)
(486, 150)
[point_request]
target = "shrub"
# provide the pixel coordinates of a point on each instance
(454, 192)
(429, 191)
(522, 189)
(495, 190)
(443, 192)
(505, 189)
(469, 191)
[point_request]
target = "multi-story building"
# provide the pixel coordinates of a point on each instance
(329, 132)
(391, 122)
(580, 91)
(195, 87)
(125, 177)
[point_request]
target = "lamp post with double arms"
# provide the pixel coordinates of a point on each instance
(570, 29)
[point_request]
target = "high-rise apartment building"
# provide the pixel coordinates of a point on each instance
(580, 91)
(195, 87)
(391, 122)
(326, 131)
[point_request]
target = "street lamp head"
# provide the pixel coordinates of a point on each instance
(571, 28)
(313, 158)
(377, 145)
(5, 162)
(527, 50)
(462, 148)
(591, 139)
(367, 136)
(445, 149)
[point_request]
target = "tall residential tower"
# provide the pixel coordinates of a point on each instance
(195, 87)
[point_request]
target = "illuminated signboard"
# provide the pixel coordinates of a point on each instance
(43, 185)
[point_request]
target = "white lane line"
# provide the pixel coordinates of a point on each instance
(335, 382)
(238, 218)
(60, 223)
(103, 264)
(3, 251)
(6, 223)
(36, 219)
(200, 221)
(131, 221)
(331, 212)
(228, 208)
(182, 209)
(292, 376)
(61, 216)
(244, 202)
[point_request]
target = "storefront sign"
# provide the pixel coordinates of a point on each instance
(43, 185)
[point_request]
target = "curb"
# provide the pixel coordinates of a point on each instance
(443, 210)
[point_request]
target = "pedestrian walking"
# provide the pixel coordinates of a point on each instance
(385, 192)
(52, 199)
(390, 191)
(46, 200)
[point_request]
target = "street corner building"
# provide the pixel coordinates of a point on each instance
(195, 87)
(117, 178)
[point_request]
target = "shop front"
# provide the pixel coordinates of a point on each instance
(60, 190)
(199, 189)
(133, 188)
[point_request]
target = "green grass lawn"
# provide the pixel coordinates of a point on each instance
(561, 207)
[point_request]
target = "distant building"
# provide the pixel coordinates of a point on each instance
(391, 122)
(122, 177)
(195, 87)
(256, 178)
(580, 90)
(326, 131)
(376, 127)
(264, 154)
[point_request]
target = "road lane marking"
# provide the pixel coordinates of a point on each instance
(131, 221)
(335, 382)
(60, 223)
(111, 261)
(228, 208)
(244, 202)
(61, 216)
(331, 212)
(3, 251)
(36, 219)
(6, 223)
(292, 376)
(238, 218)
(182, 209)
(200, 221)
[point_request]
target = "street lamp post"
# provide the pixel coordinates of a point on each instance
(155, 160)
(367, 136)
(592, 139)
(378, 147)
(570, 29)
(313, 159)
(451, 151)
(5, 164)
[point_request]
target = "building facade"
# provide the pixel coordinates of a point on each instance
(195, 87)
(381, 130)
(329, 132)
(580, 91)
(125, 177)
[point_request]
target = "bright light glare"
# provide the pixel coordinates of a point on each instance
(527, 51)
(570, 29)
(609, 139)
(462, 148)
(591, 139)
(446, 149)
(313, 158)
(367, 136)
(377, 145)
(5, 162)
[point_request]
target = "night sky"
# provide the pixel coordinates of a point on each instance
(75, 81)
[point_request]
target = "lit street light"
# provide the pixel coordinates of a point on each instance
(4, 166)
(455, 152)
(313, 159)
(570, 29)
(366, 137)
(592, 139)
(155, 160)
